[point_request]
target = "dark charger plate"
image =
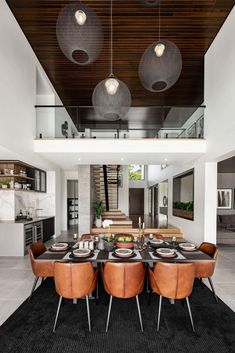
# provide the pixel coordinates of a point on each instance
(81, 257)
(124, 257)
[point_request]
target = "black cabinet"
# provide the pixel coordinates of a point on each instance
(48, 228)
(40, 181)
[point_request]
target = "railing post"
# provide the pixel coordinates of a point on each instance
(106, 187)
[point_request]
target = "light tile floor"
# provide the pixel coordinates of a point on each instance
(16, 279)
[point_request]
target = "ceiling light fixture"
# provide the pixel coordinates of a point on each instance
(161, 64)
(150, 3)
(111, 97)
(79, 33)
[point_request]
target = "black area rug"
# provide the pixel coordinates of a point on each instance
(29, 329)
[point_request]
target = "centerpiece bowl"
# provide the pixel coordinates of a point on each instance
(124, 241)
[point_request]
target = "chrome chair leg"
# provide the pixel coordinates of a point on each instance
(32, 290)
(88, 313)
(110, 305)
(213, 289)
(57, 313)
(159, 312)
(139, 312)
(190, 314)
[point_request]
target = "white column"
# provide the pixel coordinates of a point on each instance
(210, 205)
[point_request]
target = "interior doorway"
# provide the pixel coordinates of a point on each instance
(155, 200)
(72, 205)
(136, 204)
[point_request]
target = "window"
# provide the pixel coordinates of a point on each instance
(136, 172)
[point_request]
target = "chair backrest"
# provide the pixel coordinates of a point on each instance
(74, 280)
(155, 235)
(209, 249)
(40, 268)
(205, 269)
(174, 280)
(86, 237)
(36, 249)
(124, 280)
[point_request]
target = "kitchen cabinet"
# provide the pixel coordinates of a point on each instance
(33, 232)
(48, 228)
(40, 181)
(17, 175)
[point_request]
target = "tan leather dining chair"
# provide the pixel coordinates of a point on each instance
(173, 281)
(73, 281)
(205, 269)
(86, 237)
(41, 269)
(124, 280)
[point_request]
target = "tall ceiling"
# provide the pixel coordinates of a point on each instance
(191, 24)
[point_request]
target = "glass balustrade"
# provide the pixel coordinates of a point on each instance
(140, 123)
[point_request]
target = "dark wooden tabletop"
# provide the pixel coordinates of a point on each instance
(103, 256)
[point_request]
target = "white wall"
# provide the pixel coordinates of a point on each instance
(219, 91)
(193, 230)
(123, 192)
(18, 89)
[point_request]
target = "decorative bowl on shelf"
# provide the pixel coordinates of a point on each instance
(124, 241)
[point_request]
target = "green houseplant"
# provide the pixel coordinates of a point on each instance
(183, 209)
(98, 213)
(4, 183)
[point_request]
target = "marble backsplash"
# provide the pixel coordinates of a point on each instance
(11, 202)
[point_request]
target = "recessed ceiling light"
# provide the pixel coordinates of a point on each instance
(122, 159)
(79, 159)
(165, 159)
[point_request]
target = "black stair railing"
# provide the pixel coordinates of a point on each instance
(106, 190)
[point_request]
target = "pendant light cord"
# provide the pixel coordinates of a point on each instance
(111, 38)
(159, 22)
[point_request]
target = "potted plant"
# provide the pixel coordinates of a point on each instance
(98, 213)
(4, 184)
(183, 209)
(109, 243)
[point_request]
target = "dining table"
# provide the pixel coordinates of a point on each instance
(143, 253)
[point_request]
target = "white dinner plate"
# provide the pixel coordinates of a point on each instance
(165, 252)
(59, 246)
(187, 246)
(81, 252)
(123, 252)
(156, 241)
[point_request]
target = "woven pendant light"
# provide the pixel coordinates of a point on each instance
(111, 97)
(160, 65)
(79, 33)
(150, 3)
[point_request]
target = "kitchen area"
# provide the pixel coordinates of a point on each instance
(27, 207)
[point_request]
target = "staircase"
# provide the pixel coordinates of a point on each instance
(106, 185)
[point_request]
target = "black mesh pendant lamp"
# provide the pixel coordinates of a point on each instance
(150, 3)
(111, 97)
(79, 33)
(160, 65)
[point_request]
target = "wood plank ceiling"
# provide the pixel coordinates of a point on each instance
(191, 24)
